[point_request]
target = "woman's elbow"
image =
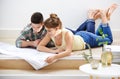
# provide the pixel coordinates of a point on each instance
(68, 52)
(38, 48)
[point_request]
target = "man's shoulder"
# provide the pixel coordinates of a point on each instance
(28, 28)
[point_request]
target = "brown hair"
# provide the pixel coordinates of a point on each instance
(53, 21)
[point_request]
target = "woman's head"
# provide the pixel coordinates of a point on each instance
(53, 25)
(53, 21)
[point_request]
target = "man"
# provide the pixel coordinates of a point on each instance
(33, 33)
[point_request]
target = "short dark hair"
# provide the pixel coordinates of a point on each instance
(37, 18)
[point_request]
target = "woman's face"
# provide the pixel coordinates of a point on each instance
(53, 31)
(37, 27)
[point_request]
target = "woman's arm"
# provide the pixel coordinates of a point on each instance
(68, 50)
(42, 45)
(69, 44)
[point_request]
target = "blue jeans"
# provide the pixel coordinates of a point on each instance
(87, 32)
(88, 25)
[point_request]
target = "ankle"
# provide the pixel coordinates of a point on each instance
(104, 19)
(103, 16)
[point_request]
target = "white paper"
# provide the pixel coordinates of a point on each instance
(32, 56)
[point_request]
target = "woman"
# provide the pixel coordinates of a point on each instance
(66, 41)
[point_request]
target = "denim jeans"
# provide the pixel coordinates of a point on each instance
(88, 25)
(87, 32)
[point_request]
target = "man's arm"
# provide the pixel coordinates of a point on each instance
(22, 42)
(23, 39)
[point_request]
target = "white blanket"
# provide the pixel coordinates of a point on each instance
(35, 58)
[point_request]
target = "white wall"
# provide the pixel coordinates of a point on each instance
(15, 14)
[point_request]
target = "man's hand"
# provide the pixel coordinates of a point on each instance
(36, 42)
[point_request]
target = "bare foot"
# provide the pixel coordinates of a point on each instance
(91, 13)
(111, 10)
(97, 15)
(103, 16)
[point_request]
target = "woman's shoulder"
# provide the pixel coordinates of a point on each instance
(65, 30)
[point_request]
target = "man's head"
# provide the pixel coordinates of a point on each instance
(37, 21)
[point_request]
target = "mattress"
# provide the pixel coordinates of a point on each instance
(70, 62)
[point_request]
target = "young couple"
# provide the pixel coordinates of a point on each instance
(64, 39)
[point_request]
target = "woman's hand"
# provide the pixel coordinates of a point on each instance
(50, 59)
(59, 50)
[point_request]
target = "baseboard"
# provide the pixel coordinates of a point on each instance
(9, 34)
(14, 33)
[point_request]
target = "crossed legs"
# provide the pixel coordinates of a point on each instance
(89, 24)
